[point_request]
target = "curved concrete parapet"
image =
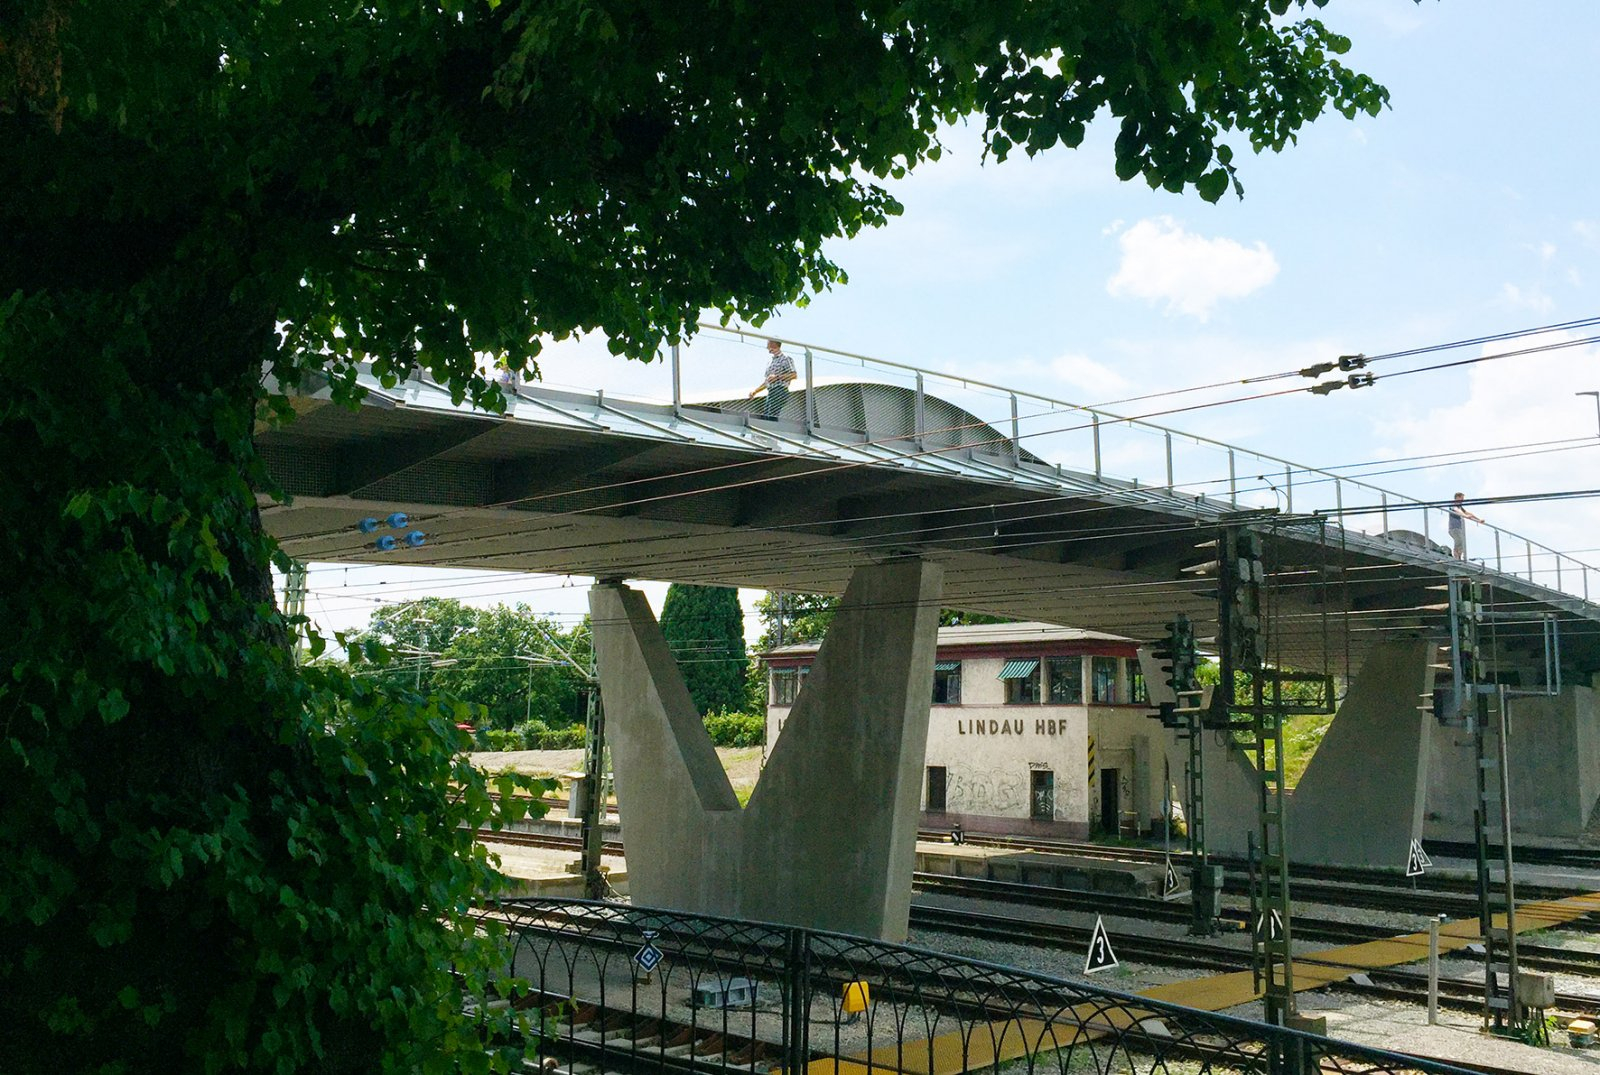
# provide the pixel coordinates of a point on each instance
(828, 839)
(886, 412)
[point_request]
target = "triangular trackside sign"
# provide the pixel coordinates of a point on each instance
(1100, 957)
(1417, 860)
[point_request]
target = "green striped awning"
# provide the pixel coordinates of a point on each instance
(947, 666)
(1020, 669)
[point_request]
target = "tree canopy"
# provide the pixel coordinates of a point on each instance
(805, 618)
(515, 665)
(217, 859)
(704, 625)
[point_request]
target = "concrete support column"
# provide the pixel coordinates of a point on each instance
(828, 839)
(1361, 800)
(1231, 788)
(1233, 810)
(1554, 762)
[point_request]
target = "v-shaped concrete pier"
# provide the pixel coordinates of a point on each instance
(828, 839)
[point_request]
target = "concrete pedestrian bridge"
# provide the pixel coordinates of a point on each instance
(914, 492)
(855, 474)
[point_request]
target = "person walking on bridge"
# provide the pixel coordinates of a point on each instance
(1458, 525)
(780, 371)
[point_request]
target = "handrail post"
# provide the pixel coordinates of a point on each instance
(1233, 481)
(1016, 434)
(919, 416)
(1169, 462)
(796, 975)
(677, 384)
(811, 395)
(1096, 417)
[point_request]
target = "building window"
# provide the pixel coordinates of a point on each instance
(1136, 691)
(786, 684)
(1066, 680)
(1103, 677)
(936, 786)
(1022, 681)
(947, 683)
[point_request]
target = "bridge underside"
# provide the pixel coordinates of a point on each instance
(638, 493)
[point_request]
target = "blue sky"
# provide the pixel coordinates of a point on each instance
(1466, 209)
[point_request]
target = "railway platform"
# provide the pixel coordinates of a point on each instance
(548, 871)
(1025, 866)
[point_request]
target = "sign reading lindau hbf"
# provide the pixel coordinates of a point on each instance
(1042, 726)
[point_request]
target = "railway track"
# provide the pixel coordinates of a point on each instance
(1531, 956)
(1461, 993)
(1371, 880)
(1456, 901)
(538, 839)
(1575, 857)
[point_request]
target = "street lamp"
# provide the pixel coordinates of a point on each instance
(1596, 396)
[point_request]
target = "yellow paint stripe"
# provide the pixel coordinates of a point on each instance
(986, 1045)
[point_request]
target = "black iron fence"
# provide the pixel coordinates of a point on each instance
(616, 988)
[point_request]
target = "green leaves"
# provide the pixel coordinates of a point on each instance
(216, 855)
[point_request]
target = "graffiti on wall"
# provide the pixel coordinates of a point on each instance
(996, 792)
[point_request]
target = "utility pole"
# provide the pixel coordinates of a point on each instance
(593, 811)
(1250, 698)
(294, 601)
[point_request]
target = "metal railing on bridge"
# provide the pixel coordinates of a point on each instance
(616, 988)
(721, 365)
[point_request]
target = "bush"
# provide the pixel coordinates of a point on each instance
(570, 737)
(500, 739)
(736, 729)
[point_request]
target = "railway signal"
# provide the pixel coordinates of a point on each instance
(1178, 663)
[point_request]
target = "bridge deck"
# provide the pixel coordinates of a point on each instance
(569, 483)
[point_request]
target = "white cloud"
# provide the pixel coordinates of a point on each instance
(1162, 261)
(1529, 298)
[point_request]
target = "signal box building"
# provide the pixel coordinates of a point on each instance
(1035, 729)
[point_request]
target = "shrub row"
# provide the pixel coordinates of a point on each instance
(726, 730)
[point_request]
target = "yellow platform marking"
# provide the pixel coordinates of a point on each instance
(983, 1045)
(1336, 964)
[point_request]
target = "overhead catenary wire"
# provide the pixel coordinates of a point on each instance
(492, 577)
(703, 558)
(1364, 360)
